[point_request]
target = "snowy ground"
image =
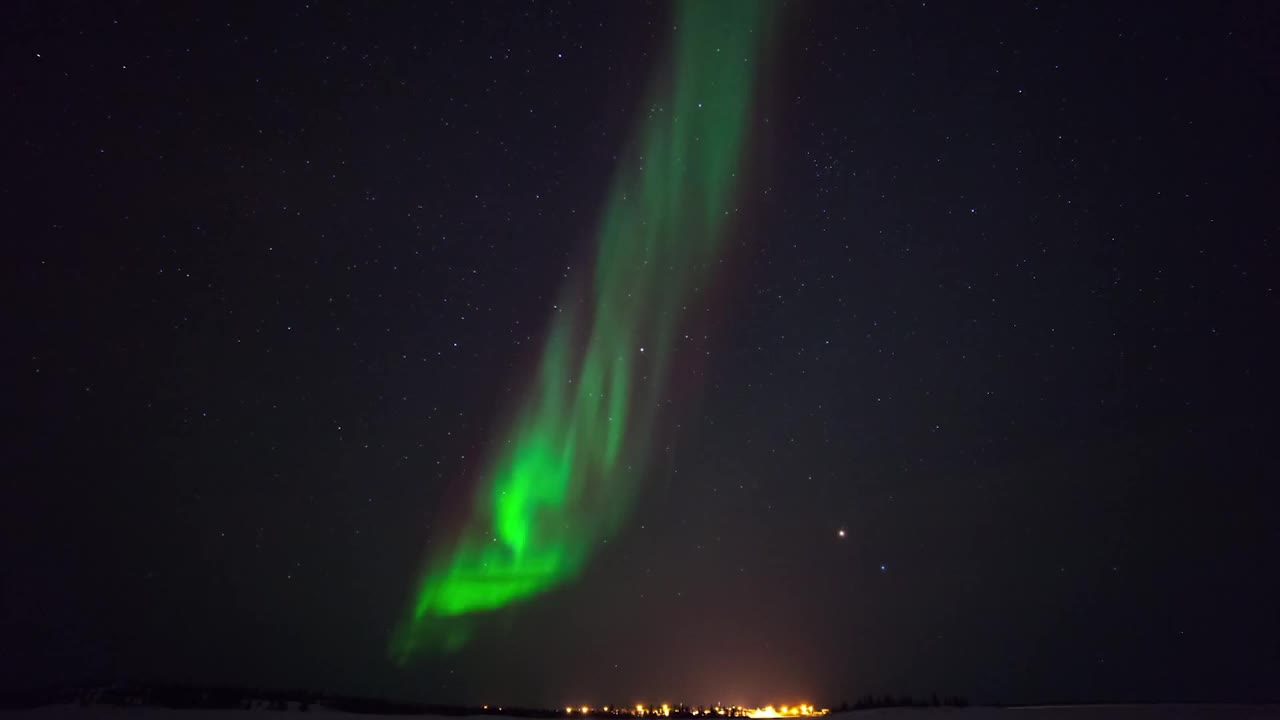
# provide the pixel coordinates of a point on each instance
(1077, 712)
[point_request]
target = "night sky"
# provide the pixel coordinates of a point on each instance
(981, 398)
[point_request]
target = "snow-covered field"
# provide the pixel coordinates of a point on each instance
(1074, 712)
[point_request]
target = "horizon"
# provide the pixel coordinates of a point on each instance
(212, 696)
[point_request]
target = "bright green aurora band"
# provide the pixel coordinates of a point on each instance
(562, 478)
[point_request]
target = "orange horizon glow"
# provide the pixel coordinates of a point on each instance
(801, 710)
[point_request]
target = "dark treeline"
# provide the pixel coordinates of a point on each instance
(868, 702)
(232, 698)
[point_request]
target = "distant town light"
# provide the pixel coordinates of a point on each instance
(768, 712)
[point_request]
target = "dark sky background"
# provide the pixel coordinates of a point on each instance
(1002, 305)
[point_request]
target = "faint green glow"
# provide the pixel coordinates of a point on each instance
(562, 476)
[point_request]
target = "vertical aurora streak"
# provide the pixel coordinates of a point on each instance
(562, 477)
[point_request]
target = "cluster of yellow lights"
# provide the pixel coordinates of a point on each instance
(664, 710)
(801, 710)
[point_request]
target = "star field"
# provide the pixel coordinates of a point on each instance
(981, 399)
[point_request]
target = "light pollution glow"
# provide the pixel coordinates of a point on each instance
(562, 477)
(666, 710)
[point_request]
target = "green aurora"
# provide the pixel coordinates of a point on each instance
(562, 477)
